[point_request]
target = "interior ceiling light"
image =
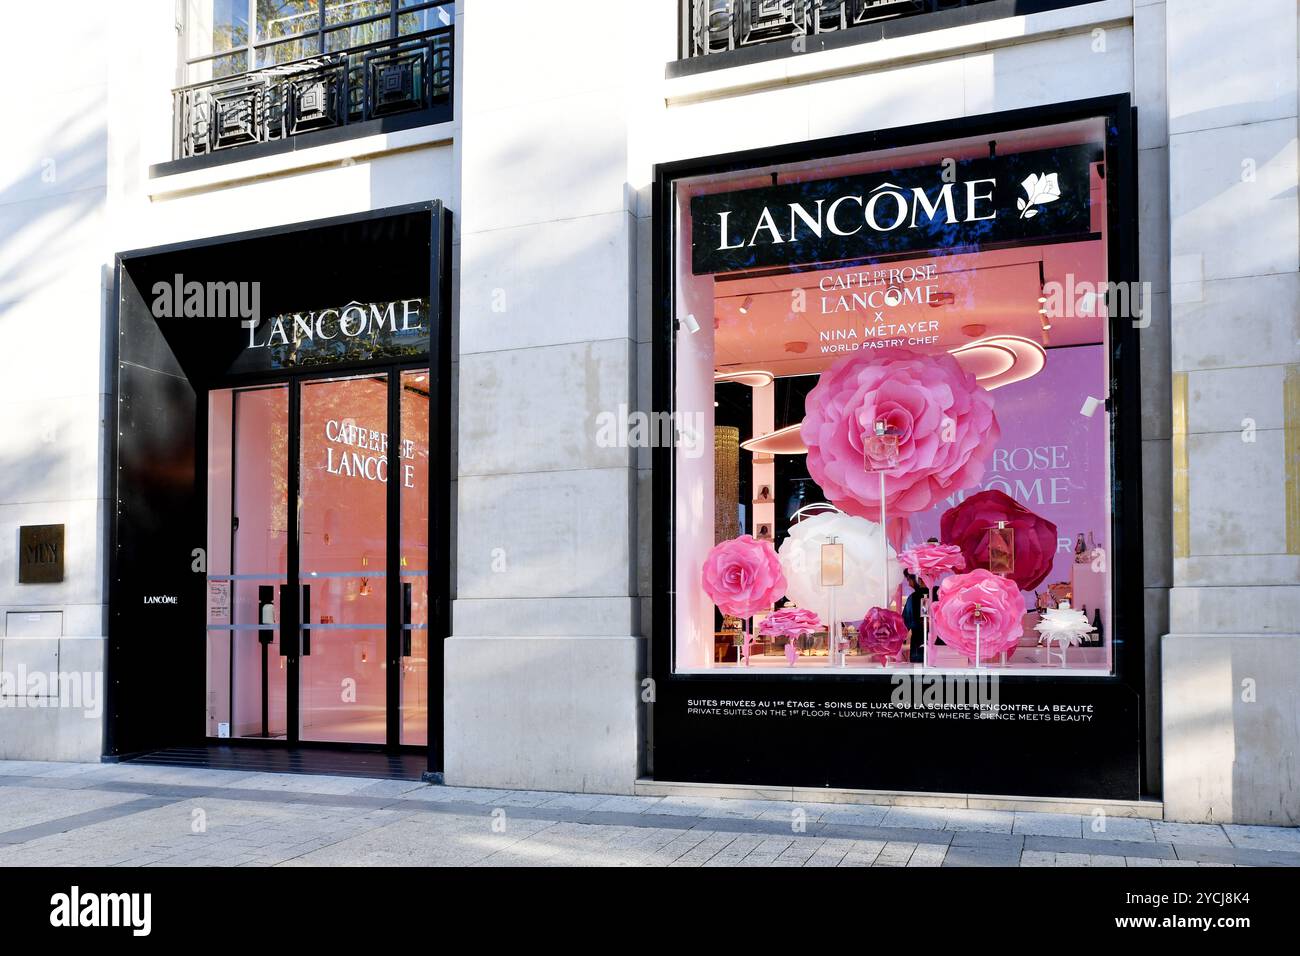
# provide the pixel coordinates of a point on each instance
(744, 306)
(754, 378)
(1001, 359)
(995, 361)
(974, 330)
(940, 299)
(798, 348)
(783, 441)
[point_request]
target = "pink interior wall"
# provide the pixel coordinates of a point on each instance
(693, 491)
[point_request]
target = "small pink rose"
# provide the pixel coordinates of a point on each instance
(982, 597)
(743, 576)
(790, 622)
(930, 562)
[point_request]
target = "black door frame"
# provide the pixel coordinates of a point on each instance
(291, 624)
(125, 733)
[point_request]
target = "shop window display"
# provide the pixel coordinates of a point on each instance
(890, 373)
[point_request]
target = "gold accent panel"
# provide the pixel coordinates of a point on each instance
(1291, 453)
(726, 483)
(1182, 514)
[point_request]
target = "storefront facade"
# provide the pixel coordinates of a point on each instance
(233, 400)
(830, 281)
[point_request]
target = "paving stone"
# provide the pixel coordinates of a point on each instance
(980, 856)
(928, 854)
(1118, 828)
(1048, 824)
(1100, 847)
(895, 854)
(1263, 838)
(982, 821)
(917, 818)
(1199, 834)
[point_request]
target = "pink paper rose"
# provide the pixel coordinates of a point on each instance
(743, 576)
(883, 633)
(979, 595)
(929, 562)
(790, 622)
(1034, 542)
(942, 417)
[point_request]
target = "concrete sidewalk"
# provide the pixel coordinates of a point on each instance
(137, 815)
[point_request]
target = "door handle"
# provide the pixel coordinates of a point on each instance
(287, 639)
(406, 619)
(306, 620)
(266, 613)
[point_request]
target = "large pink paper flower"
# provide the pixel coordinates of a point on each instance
(979, 595)
(882, 632)
(790, 622)
(943, 419)
(1034, 543)
(743, 576)
(929, 562)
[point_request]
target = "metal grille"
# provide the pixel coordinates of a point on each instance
(316, 93)
(716, 26)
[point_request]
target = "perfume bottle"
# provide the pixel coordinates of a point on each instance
(1001, 543)
(1080, 550)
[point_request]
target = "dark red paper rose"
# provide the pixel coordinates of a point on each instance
(882, 633)
(1034, 546)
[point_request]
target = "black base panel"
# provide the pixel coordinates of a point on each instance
(867, 747)
(318, 760)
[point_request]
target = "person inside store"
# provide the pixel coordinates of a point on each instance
(912, 617)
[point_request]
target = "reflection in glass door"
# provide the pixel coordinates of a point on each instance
(247, 555)
(413, 506)
(343, 543)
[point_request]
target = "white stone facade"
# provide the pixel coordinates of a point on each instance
(561, 113)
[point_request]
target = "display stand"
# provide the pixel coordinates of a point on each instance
(881, 455)
(832, 577)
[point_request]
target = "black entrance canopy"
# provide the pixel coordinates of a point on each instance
(182, 324)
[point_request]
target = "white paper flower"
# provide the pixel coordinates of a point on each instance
(1064, 625)
(871, 569)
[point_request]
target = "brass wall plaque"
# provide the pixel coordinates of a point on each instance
(40, 554)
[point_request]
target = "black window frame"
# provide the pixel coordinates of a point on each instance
(1114, 764)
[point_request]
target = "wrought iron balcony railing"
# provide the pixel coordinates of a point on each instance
(717, 26)
(320, 92)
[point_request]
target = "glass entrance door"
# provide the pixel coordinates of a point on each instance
(322, 483)
(247, 560)
(343, 559)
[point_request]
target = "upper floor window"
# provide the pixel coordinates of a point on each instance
(799, 26)
(262, 70)
(228, 37)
